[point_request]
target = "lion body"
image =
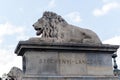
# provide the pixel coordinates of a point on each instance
(54, 28)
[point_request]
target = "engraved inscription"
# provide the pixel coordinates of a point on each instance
(69, 61)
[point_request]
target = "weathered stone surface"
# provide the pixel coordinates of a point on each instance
(66, 61)
(54, 28)
(28, 45)
(31, 77)
(67, 64)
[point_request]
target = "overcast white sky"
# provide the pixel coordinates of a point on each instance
(17, 17)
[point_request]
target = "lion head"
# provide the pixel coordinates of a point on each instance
(15, 74)
(47, 24)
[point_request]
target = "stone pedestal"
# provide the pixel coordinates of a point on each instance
(66, 61)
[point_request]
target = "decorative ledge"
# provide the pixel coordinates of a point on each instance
(27, 45)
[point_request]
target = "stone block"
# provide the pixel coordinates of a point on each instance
(66, 61)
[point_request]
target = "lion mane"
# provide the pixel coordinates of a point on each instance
(15, 74)
(48, 23)
(50, 28)
(53, 27)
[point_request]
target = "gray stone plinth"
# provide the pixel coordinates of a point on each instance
(66, 61)
(31, 77)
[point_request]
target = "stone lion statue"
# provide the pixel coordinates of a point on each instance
(15, 74)
(53, 28)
